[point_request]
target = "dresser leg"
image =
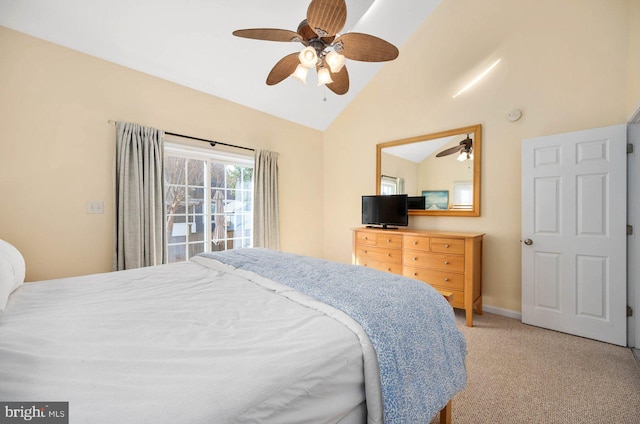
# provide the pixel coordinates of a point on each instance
(469, 315)
(479, 306)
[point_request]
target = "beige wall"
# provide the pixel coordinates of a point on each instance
(633, 100)
(394, 166)
(57, 152)
(564, 63)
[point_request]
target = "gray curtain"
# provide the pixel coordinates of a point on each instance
(140, 229)
(266, 228)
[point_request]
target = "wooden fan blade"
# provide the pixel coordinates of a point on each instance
(340, 84)
(450, 151)
(327, 17)
(283, 69)
(365, 47)
(268, 34)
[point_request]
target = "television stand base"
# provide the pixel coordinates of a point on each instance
(382, 227)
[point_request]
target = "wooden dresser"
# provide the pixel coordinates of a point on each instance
(450, 261)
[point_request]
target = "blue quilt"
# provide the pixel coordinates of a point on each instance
(420, 351)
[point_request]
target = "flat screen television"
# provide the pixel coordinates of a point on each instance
(417, 202)
(386, 211)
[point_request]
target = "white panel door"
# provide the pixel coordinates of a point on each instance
(574, 212)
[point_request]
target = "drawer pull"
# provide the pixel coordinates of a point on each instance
(446, 262)
(366, 238)
(446, 279)
(415, 243)
(388, 241)
(389, 269)
(415, 259)
(446, 246)
(415, 274)
(365, 252)
(389, 254)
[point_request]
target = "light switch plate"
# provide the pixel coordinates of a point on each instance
(95, 206)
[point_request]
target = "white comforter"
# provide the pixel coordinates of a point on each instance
(180, 343)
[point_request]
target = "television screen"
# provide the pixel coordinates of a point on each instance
(385, 210)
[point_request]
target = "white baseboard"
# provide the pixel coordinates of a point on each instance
(503, 312)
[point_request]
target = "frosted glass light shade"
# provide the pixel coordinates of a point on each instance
(301, 73)
(308, 57)
(335, 61)
(324, 76)
(463, 156)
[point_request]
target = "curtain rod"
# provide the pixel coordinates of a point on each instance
(212, 143)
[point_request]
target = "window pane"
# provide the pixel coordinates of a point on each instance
(174, 199)
(233, 176)
(219, 202)
(176, 229)
(196, 200)
(247, 177)
(197, 228)
(195, 170)
(177, 253)
(246, 200)
(217, 175)
(247, 222)
(195, 249)
(217, 247)
(174, 170)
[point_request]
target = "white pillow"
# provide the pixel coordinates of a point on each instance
(12, 271)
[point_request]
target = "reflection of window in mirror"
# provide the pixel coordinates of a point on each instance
(462, 195)
(391, 185)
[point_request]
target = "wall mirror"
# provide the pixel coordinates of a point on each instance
(440, 172)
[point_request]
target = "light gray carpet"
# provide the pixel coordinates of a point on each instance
(522, 374)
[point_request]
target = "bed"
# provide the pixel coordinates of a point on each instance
(242, 336)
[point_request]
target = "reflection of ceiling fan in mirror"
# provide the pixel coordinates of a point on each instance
(324, 48)
(464, 148)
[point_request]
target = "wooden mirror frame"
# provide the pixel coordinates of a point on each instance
(477, 156)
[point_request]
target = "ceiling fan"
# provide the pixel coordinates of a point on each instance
(465, 148)
(324, 48)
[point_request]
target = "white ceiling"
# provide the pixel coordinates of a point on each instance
(417, 152)
(189, 42)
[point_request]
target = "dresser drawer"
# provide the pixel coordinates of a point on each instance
(437, 261)
(394, 268)
(445, 245)
(392, 241)
(378, 254)
(443, 279)
(416, 243)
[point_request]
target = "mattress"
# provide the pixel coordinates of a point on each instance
(180, 343)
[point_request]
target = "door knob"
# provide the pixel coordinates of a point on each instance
(528, 242)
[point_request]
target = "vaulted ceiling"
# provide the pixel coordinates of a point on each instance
(189, 42)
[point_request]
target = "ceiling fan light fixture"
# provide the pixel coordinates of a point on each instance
(335, 61)
(301, 73)
(324, 76)
(464, 155)
(308, 57)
